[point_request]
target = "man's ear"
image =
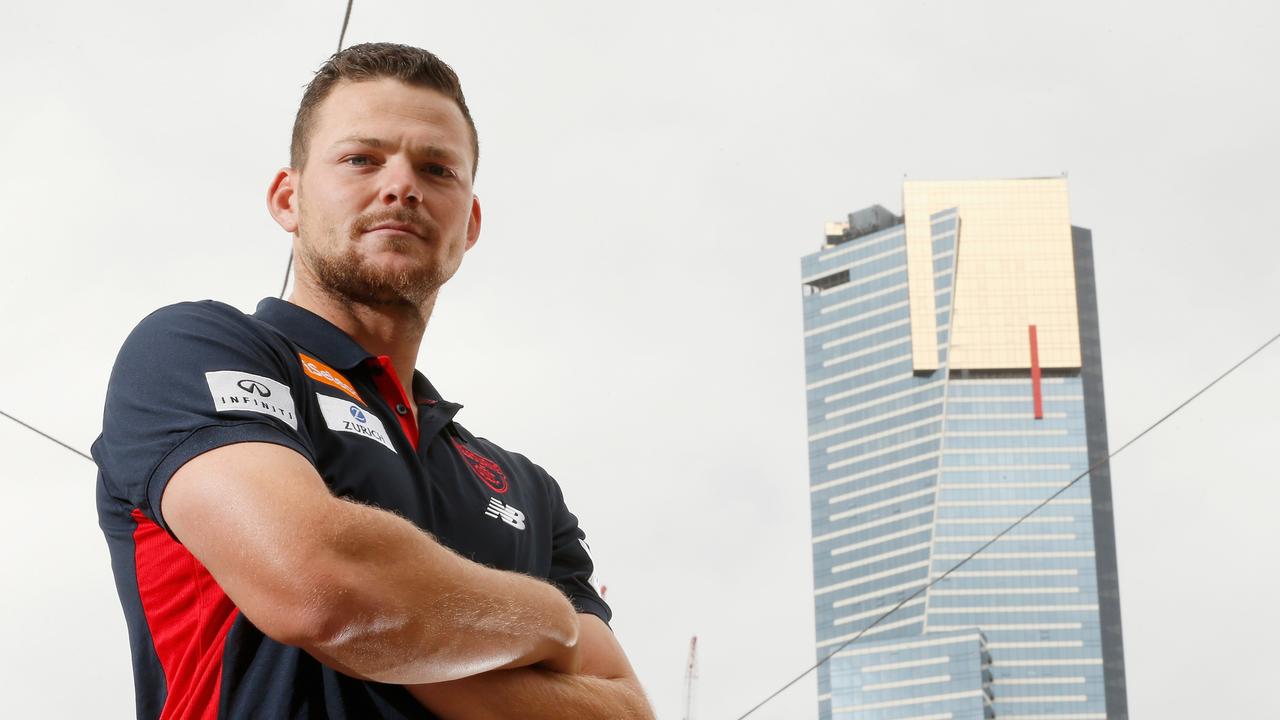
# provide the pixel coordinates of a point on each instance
(282, 199)
(473, 223)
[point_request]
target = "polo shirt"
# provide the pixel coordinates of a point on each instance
(196, 376)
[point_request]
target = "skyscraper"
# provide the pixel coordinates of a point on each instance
(954, 381)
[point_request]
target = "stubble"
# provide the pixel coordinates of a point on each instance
(350, 278)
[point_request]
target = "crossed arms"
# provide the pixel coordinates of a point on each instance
(368, 593)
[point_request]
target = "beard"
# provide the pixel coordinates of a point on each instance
(349, 277)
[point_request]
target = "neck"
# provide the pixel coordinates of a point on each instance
(392, 330)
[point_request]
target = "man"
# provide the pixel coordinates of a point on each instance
(298, 527)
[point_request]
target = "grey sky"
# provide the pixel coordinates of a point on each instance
(630, 319)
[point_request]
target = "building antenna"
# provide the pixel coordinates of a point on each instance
(690, 679)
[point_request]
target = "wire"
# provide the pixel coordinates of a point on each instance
(47, 436)
(1006, 531)
(342, 36)
(345, 19)
(288, 266)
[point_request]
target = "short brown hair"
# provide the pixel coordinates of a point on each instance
(370, 61)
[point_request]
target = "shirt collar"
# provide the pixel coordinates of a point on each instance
(328, 342)
(424, 390)
(312, 332)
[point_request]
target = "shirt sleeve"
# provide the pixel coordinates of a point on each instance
(572, 567)
(191, 378)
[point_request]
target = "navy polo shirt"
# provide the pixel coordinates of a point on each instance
(196, 376)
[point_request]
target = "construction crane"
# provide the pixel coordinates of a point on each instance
(691, 679)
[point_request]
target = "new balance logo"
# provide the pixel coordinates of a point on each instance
(508, 514)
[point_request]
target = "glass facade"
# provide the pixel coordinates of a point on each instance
(912, 470)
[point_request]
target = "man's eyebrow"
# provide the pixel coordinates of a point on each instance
(366, 141)
(434, 152)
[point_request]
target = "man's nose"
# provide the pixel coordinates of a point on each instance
(401, 183)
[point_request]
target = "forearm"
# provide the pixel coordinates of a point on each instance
(363, 590)
(535, 694)
(398, 607)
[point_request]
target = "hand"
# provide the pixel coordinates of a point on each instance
(605, 689)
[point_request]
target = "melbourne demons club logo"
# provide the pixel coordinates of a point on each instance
(489, 472)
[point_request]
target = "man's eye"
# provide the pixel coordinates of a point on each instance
(439, 170)
(358, 160)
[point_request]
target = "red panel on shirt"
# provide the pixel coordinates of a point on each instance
(393, 393)
(188, 615)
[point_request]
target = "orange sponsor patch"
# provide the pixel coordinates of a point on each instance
(317, 370)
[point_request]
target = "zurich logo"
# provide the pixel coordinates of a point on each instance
(357, 414)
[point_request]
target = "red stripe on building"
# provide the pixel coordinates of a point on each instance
(1035, 374)
(188, 615)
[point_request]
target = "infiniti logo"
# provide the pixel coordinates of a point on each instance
(357, 414)
(239, 391)
(254, 387)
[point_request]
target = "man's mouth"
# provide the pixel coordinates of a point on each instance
(399, 227)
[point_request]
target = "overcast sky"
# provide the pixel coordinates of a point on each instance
(651, 174)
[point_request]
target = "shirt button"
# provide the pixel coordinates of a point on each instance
(400, 408)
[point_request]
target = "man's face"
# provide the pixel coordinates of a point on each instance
(384, 204)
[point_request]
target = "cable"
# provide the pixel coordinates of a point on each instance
(1006, 531)
(342, 36)
(47, 436)
(345, 19)
(288, 266)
